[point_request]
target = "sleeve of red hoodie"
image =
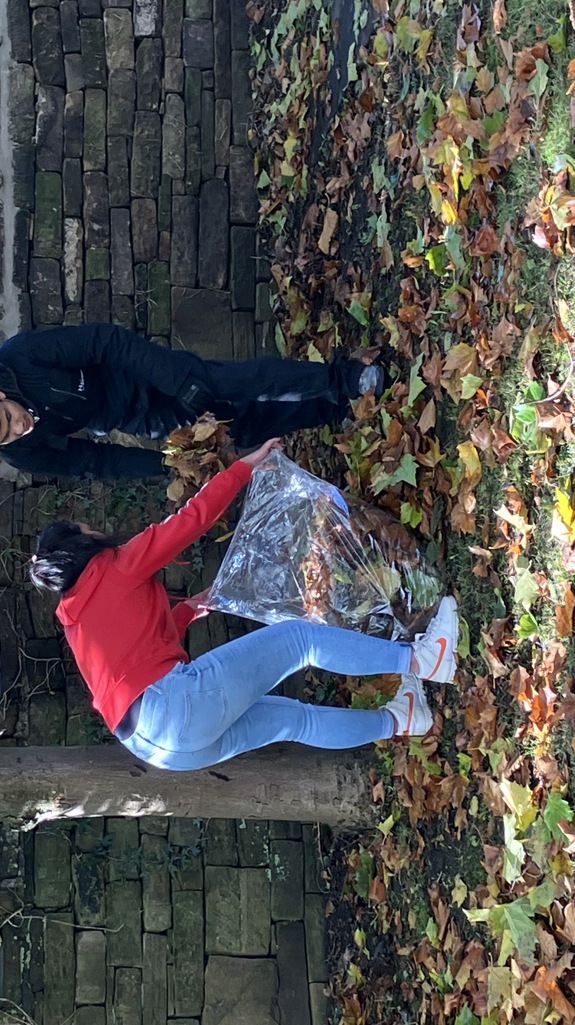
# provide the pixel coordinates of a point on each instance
(159, 543)
(183, 614)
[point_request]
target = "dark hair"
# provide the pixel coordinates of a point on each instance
(62, 554)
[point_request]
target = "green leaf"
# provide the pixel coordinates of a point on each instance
(558, 41)
(527, 627)
(378, 174)
(264, 180)
(452, 240)
(415, 246)
(493, 122)
(352, 75)
(425, 123)
(280, 341)
(513, 852)
(466, 1017)
(513, 924)
(299, 321)
(406, 472)
(517, 919)
(409, 515)
(539, 80)
(469, 385)
(363, 875)
(526, 589)
(358, 312)
(416, 385)
(555, 810)
(437, 259)
(313, 354)
(542, 896)
(464, 646)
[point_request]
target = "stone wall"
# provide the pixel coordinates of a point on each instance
(156, 921)
(132, 178)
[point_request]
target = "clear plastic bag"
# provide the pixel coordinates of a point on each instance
(302, 549)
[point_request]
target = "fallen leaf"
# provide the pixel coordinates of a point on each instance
(499, 16)
(330, 223)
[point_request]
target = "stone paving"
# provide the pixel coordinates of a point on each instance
(144, 922)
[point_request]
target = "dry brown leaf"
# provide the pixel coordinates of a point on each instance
(330, 223)
(499, 16)
(428, 417)
(564, 613)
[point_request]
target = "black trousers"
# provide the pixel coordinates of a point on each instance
(265, 398)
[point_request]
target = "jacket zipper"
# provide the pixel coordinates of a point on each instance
(73, 395)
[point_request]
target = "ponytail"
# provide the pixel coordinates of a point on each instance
(62, 554)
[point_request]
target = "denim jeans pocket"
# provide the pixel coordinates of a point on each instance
(201, 719)
(175, 716)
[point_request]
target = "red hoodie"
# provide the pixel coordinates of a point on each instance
(117, 617)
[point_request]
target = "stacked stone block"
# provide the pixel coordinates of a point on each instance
(108, 924)
(136, 922)
(133, 175)
(44, 700)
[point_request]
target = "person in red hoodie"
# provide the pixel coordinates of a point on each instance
(180, 714)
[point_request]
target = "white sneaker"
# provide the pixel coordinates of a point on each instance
(410, 709)
(435, 649)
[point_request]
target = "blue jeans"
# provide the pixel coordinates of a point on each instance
(218, 706)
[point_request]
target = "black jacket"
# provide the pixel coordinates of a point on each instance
(94, 377)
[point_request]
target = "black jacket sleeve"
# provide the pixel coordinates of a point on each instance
(113, 348)
(76, 457)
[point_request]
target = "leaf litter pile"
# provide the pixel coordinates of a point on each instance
(416, 175)
(196, 454)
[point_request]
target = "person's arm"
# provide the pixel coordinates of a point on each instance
(159, 543)
(77, 457)
(188, 610)
(107, 345)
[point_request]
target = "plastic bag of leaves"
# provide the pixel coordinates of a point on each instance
(195, 454)
(302, 549)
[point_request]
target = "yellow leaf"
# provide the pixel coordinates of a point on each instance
(470, 458)
(290, 145)
(565, 512)
(519, 800)
(313, 354)
(459, 891)
(390, 324)
(449, 212)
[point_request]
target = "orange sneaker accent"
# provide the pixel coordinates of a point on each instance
(442, 641)
(410, 702)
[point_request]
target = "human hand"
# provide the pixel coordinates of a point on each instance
(260, 455)
(197, 602)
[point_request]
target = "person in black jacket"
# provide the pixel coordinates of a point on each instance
(97, 377)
